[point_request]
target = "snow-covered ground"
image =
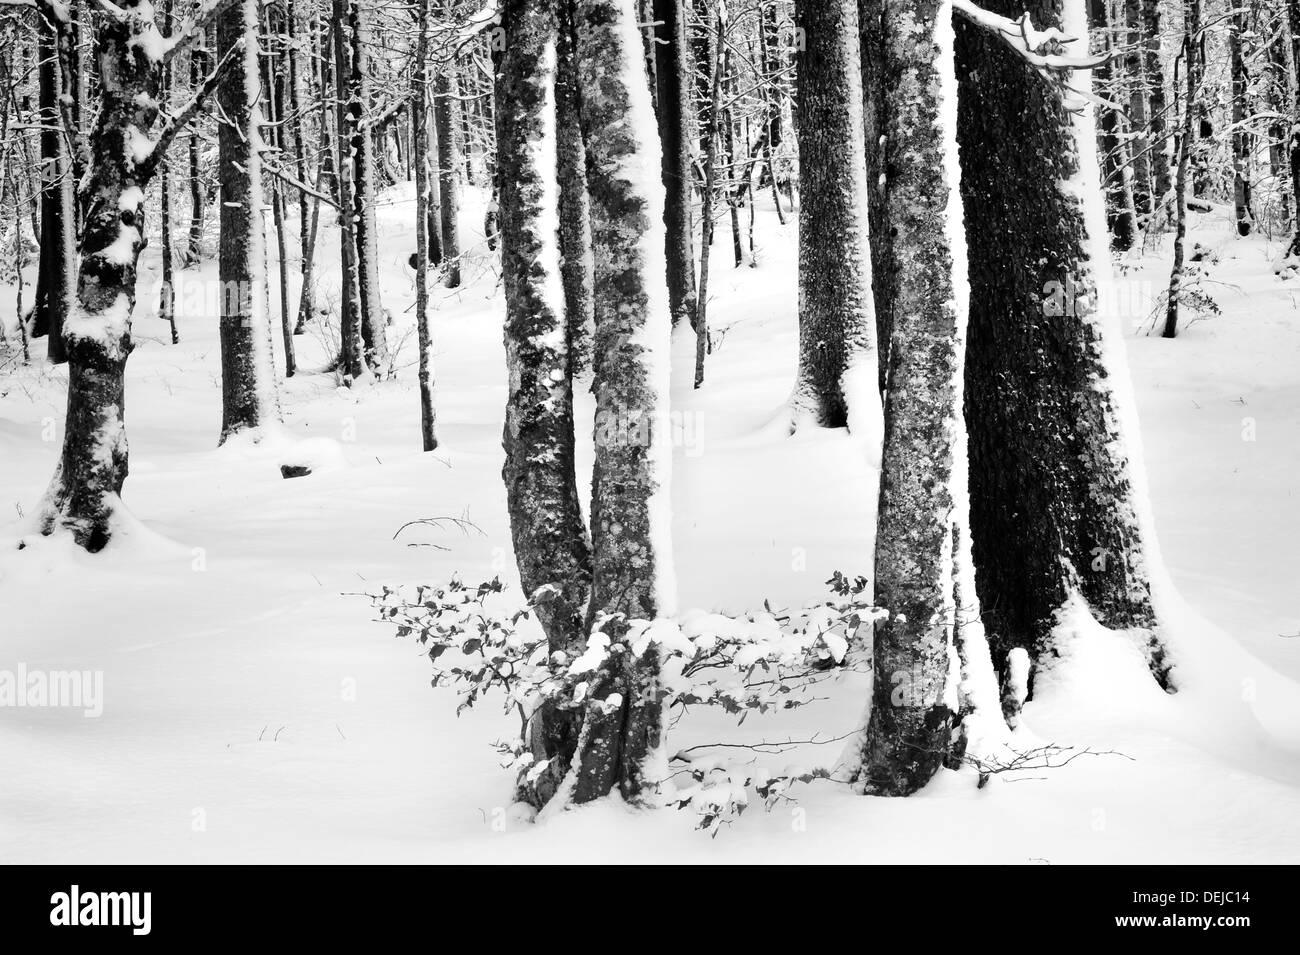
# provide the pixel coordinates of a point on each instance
(252, 712)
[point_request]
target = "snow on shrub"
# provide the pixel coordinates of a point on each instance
(480, 639)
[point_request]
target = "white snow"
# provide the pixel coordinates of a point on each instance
(252, 712)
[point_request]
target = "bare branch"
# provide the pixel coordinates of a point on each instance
(181, 118)
(184, 36)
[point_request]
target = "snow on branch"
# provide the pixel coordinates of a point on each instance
(194, 28)
(181, 118)
(1044, 50)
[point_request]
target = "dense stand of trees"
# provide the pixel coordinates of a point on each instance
(625, 146)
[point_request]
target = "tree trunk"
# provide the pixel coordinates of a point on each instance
(632, 558)
(550, 540)
(374, 334)
(576, 263)
(1241, 137)
(444, 115)
(167, 296)
(84, 493)
(248, 386)
(1139, 124)
(194, 246)
(273, 86)
(911, 723)
(1053, 511)
(837, 335)
(1153, 69)
(353, 352)
(709, 123)
(1191, 67)
(1117, 174)
(57, 265)
(674, 114)
(423, 186)
(875, 118)
(298, 21)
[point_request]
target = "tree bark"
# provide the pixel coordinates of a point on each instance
(577, 267)
(248, 384)
(444, 116)
(84, 493)
(674, 113)
(875, 118)
(911, 724)
(632, 570)
(550, 539)
(1053, 511)
(423, 186)
(353, 353)
(837, 336)
(374, 334)
(57, 264)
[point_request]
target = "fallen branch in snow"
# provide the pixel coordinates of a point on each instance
(1039, 757)
(463, 525)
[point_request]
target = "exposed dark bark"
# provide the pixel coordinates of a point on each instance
(550, 539)
(673, 107)
(1052, 509)
(423, 187)
(84, 493)
(1192, 72)
(576, 264)
(373, 323)
(352, 356)
(836, 325)
(445, 109)
(875, 116)
(57, 264)
(631, 574)
(248, 398)
(910, 728)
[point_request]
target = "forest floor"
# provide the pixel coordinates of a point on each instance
(253, 712)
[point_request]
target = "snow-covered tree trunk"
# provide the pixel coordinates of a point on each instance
(373, 324)
(1153, 70)
(167, 296)
(1134, 73)
(550, 539)
(1116, 170)
(352, 358)
(838, 373)
(128, 140)
(248, 380)
(630, 511)
(673, 103)
(709, 126)
(1186, 144)
(1053, 508)
(576, 264)
(1242, 140)
(913, 701)
(423, 187)
(194, 241)
(445, 112)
